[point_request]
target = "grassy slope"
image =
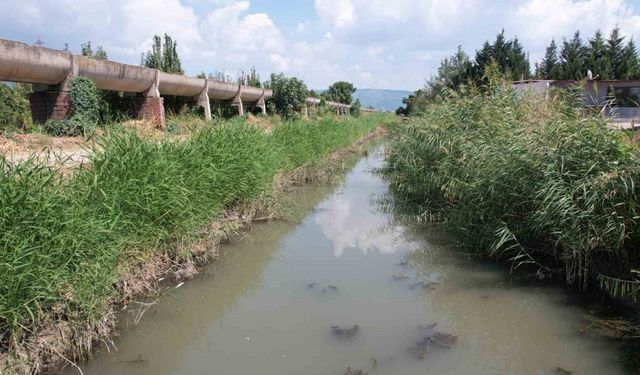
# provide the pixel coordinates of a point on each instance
(64, 240)
(526, 181)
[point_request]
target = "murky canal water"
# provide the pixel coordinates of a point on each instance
(268, 305)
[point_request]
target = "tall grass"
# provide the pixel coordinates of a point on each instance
(65, 240)
(526, 180)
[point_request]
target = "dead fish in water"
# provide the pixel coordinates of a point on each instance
(404, 263)
(138, 359)
(431, 339)
(310, 286)
(330, 288)
(354, 372)
(345, 332)
(400, 277)
(382, 361)
(424, 285)
(561, 371)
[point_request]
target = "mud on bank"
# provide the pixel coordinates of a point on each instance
(60, 332)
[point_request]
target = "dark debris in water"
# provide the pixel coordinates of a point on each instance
(400, 277)
(432, 339)
(561, 371)
(345, 332)
(330, 288)
(354, 372)
(424, 285)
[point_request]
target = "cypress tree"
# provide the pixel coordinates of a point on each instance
(482, 60)
(598, 61)
(615, 50)
(631, 62)
(550, 65)
(517, 62)
(573, 58)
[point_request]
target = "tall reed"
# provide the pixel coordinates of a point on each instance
(528, 180)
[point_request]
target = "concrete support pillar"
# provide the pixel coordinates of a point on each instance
(53, 102)
(237, 101)
(204, 102)
(262, 104)
(305, 111)
(150, 106)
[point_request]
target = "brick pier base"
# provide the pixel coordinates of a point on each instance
(151, 109)
(49, 104)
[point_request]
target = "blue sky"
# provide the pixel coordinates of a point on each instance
(391, 44)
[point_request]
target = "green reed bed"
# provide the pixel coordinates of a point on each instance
(65, 239)
(525, 180)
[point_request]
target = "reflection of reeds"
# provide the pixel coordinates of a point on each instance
(525, 179)
(68, 240)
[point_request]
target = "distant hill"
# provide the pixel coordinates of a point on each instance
(382, 100)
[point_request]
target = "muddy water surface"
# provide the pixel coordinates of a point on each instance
(268, 305)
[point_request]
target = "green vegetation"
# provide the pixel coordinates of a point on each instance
(87, 50)
(341, 92)
(613, 58)
(525, 180)
(67, 239)
(85, 101)
(163, 56)
(289, 95)
(14, 107)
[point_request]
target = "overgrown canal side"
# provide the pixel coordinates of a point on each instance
(77, 246)
(347, 284)
(530, 182)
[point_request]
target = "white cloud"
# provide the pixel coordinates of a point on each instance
(339, 13)
(546, 19)
(394, 44)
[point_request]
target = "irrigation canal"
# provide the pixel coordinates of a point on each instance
(269, 304)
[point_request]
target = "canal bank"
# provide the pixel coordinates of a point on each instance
(136, 218)
(342, 284)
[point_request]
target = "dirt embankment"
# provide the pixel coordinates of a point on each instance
(62, 342)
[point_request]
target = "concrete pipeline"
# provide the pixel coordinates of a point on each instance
(51, 72)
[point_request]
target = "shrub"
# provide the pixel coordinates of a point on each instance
(65, 128)
(85, 100)
(289, 95)
(14, 107)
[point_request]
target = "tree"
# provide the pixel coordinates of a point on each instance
(87, 50)
(508, 55)
(340, 92)
(549, 67)
(250, 79)
(598, 61)
(631, 62)
(615, 51)
(573, 58)
(289, 95)
(483, 58)
(517, 63)
(163, 56)
(355, 108)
